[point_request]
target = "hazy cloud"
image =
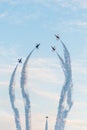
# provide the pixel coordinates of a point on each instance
(46, 94)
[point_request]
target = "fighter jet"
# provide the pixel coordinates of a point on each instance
(57, 36)
(37, 46)
(20, 60)
(46, 117)
(53, 48)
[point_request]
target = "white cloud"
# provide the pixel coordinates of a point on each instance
(80, 66)
(80, 3)
(8, 122)
(79, 23)
(45, 70)
(45, 74)
(3, 15)
(6, 69)
(45, 94)
(71, 4)
(18, 18)
(78, 123)
(79, 70)
(4, 83)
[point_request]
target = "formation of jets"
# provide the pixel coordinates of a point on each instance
(53, 47)
(20, 60)
(37, 46)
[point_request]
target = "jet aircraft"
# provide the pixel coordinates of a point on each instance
(57, 36)
(37, 46)
(20, 60)
(53, 48)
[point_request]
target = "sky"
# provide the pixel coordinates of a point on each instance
(24, 23)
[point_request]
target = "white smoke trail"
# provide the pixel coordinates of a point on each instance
(12, 99)
(65, 102)
(25, 93)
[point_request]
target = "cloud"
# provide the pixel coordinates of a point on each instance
(8, 122)
(45, 75)
(18, 15)
(59, 3)
(78, 123)
(21, 18)
(79, 67)
(11, 2)
(81, 4)
(70, 4)
(79, 23)
(3, 15)
(6, 69)
(45, 70)
(8, 51)
(23, 15)
(45, 94)
(4, 83)
(79, 104)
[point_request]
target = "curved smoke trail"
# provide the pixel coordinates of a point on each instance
(65, 102)
(12, 99)
(25, 93)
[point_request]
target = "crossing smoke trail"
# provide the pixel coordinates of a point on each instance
(12, 99)
(65, 102)
(25, 93)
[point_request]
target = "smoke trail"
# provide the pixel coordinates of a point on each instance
(12, 99)
(65, 102)
(25, 93)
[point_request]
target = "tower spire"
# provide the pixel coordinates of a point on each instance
(46, 125)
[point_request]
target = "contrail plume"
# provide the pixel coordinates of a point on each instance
(65, 101)
(25, 93)
(12, 99)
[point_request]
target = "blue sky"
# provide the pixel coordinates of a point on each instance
(22, 25)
